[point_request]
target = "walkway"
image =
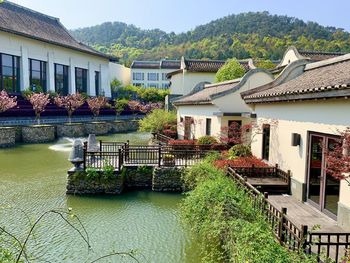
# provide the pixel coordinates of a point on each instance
(303, 213)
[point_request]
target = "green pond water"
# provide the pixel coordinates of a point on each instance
(33, 180)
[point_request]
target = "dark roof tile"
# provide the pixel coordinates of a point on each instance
(22, 21)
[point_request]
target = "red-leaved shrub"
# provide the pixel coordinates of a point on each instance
(240, 162)
(170, 133)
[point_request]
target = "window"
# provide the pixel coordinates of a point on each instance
(138, 76)
(37, 74)
(164, 76)
(153, 85)
(165, 85)
(81, 80)
(9, 73)
(137, 84)
(153, 76)
(208, 127)
(97, 83)
(266, 142)
(61, 79)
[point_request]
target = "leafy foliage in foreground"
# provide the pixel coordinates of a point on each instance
(256, 35)
(157, 120)
(229, 228)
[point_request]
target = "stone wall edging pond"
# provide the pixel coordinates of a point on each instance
(48, 133)
(157, 179)
(7, 137)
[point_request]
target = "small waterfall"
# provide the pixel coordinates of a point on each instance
(64, 144)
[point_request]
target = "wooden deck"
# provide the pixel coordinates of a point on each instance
(272, 185)
(305, 214)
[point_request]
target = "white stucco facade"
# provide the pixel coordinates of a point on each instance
(220, 107)
(119, 72)
(329, 117)
(27, 48)
(183, 82)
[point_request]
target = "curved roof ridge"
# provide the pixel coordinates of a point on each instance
(327, 62)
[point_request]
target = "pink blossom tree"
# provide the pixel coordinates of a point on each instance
(39, 102)
(6, 102)
(96, 104)
(135, 106)
(70, 103)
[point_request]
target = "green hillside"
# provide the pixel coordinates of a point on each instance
(257, 35)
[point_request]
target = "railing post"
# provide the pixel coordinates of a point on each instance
(266, 195)
(288, 180)
(84, 155)
(276, 168)
(303, 238)
(120, 159)
(252, 170)
(159, 154)
(100, 145)
(281, 231)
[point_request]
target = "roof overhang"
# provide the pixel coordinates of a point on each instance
(235, 114)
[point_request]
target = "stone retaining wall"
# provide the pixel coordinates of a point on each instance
(97, 128)
(71, 130)
(138, 177)
(7, 137)
(167, 179)
(123, 126)
(38, 133)
(80, 184)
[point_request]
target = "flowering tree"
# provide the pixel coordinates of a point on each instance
(6, 102)
(70, 103)
(39, 102)
(149, 107)
(338, 158)
(135, 106)
(96, 104)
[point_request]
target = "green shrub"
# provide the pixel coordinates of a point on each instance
(157, 120)
(239, 150)
(231, 70)
(108, 171)
(120, 105)
(206, 140)
(200, 173)
(92, 173)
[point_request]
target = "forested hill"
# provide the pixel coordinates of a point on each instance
(257, 35)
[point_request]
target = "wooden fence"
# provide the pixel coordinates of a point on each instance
(334, 246)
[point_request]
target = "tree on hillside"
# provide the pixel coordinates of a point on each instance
(266, 64)
(231, 70)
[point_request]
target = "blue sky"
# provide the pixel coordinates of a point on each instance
(182, 15)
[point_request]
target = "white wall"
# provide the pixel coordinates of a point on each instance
(27, 48)
(119, 72)
(183, 83)
(324, 116)
(147, 82)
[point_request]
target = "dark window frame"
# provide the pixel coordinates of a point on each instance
(98, 91)
(42, 72)
(208, 126)
(65, 79)
(84, 80)
(266, 142)
(16, 87)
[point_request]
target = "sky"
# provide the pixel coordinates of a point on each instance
(183, 15)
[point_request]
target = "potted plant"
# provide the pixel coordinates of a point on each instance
(169, 160)
(7, 134)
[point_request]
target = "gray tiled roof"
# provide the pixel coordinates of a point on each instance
(317, 79)
(205, 95)
(22, 21)
(158, 64)
(319, 55)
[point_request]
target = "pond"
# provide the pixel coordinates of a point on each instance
(33, 180)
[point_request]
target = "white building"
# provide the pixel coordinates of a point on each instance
(37, 50)
(195, 73)
(301, 114)
(206, 111)
(152, 73)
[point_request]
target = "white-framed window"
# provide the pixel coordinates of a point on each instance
(153, 76)
(153, 85)
(138, 76)
(164, 76)
(165, 85)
